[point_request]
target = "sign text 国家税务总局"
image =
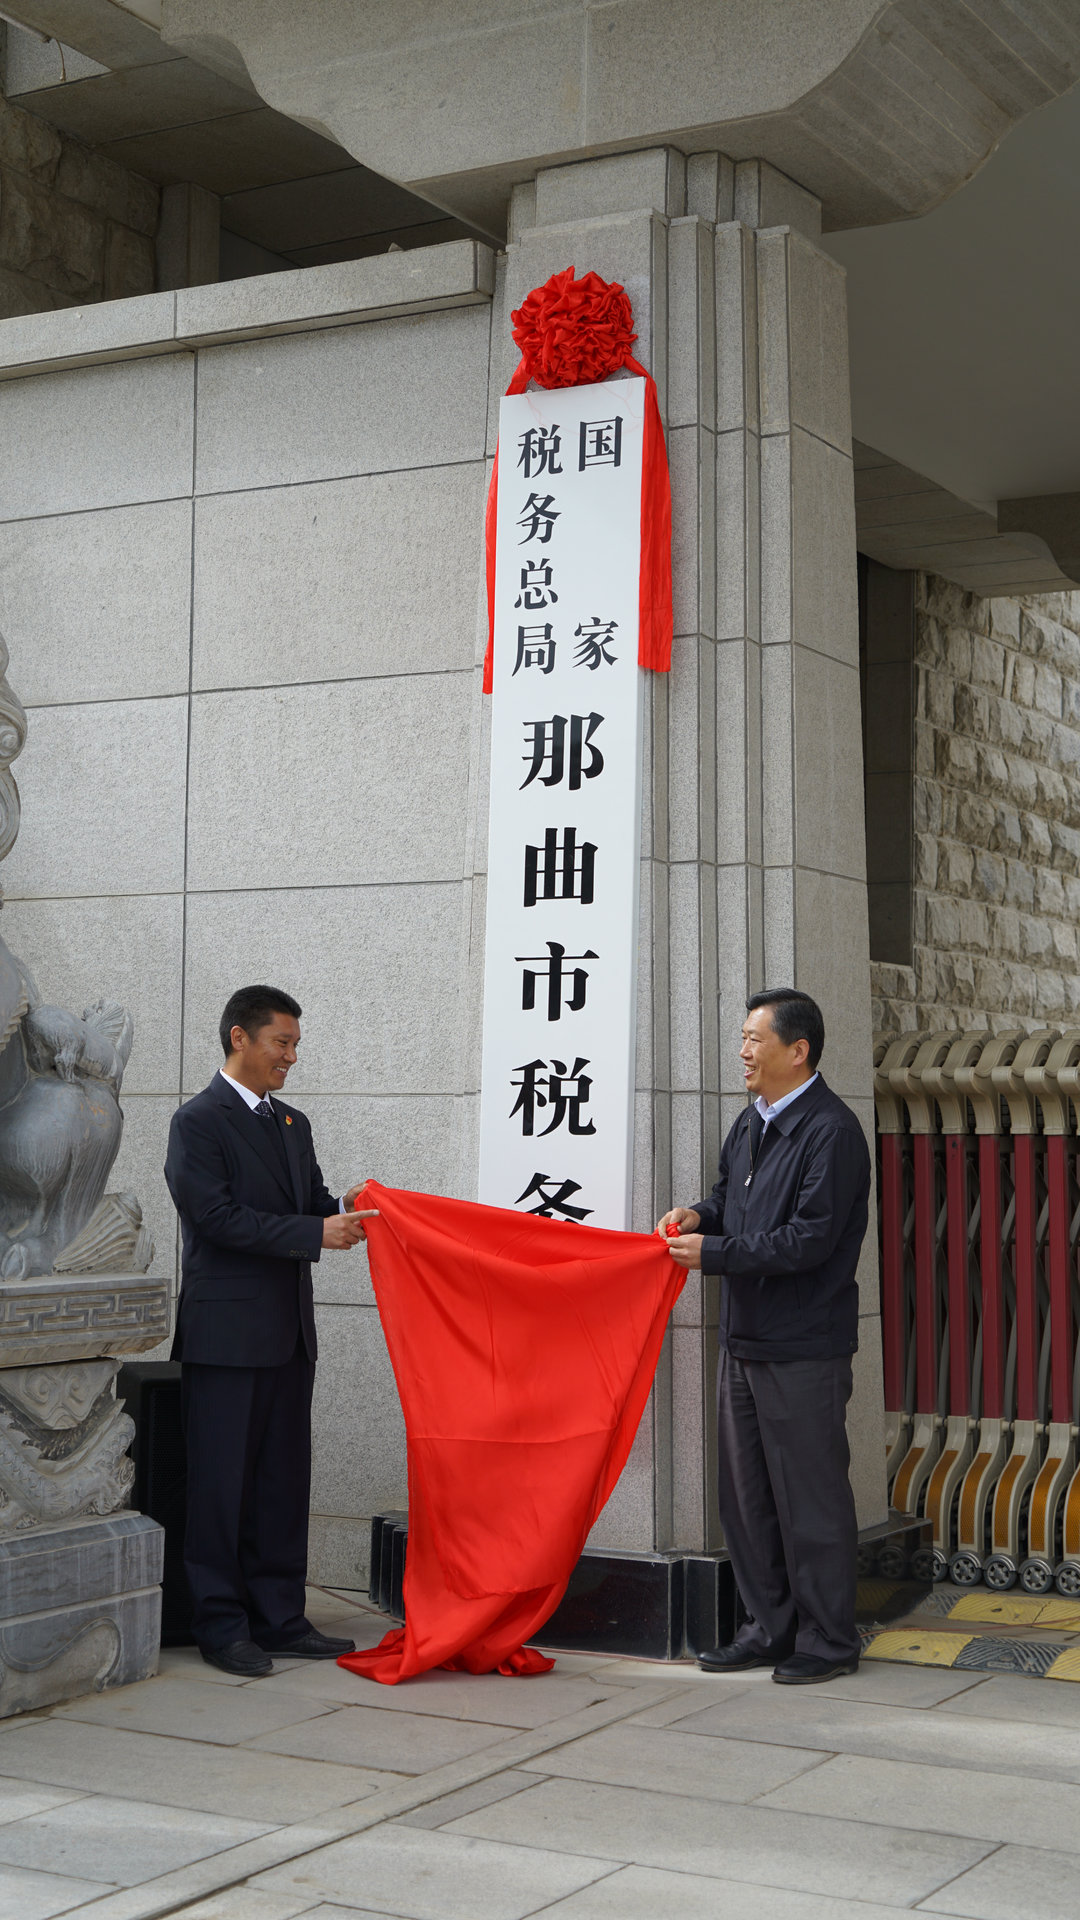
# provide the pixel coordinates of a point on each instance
(556, 1123)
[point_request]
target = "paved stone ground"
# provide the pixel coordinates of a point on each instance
(609, 1790)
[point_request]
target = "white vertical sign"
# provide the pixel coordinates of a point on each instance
(556, 1113)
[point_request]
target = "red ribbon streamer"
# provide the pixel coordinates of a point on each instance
(524, 1350)
(572, 333)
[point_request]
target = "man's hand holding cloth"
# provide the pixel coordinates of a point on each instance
(524, 1350)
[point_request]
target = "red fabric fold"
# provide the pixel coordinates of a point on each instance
(573, 332)
(524, 1350)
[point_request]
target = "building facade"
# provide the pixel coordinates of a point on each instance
(241, 578)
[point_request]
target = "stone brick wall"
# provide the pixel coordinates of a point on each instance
(74, 227)
(996, 880)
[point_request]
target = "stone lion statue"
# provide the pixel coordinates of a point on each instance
(60, 1119)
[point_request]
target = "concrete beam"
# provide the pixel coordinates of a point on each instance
(109, 34)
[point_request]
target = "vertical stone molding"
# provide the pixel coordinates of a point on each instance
(754, 866)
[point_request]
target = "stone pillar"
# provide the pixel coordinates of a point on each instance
(753, 857)
(188, 236)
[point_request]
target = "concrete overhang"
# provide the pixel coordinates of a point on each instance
(904, 519)
(880, 110)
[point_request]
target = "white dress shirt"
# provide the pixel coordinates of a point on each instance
(253, 1099)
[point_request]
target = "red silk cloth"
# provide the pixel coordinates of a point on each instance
(524, 1350)
(571, 333)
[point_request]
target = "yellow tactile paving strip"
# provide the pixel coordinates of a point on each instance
(1017, 1610)
(918, 1649)
(1003, 1647)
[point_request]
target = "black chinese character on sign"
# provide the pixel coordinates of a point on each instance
(547, 746)
(555, 973)
(535, 648)
(594, 637)
(552, 1086)
(536, 588)
(555, 1202)
(560, 869)
(538, 517)
(539, 450)
(600, 443)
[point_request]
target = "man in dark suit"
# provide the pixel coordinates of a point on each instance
(783, 1226)
(254, 1213)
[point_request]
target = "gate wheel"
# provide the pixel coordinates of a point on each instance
(999, 1572)
(965, 1570)
(1036, 1576)
(1067, 1579)
(892, 1563)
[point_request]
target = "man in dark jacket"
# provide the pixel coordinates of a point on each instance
(254, 1213)
(783, 1226)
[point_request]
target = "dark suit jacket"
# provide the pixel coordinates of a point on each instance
(788, 1244)
(251, 1201)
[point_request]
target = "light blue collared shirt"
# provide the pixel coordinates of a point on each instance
(769, 1113)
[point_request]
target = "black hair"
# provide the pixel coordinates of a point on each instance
(252, 1008)
(794, 1017)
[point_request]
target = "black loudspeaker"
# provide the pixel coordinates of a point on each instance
(150, 1390)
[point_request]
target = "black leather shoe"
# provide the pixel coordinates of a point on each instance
(805, 1669)
(734, 1658)
(242, 1657)
(314, 1645)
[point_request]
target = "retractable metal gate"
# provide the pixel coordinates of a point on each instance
(979, 1213)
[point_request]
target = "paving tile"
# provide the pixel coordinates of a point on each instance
(437, 1876)
(686, 1763)
(324, 1680)
(370, 1737)
(645, 1893)
(483, 1793)
(488, 1698)
(980, 1805)
(903, 1686)
(584, 1663)
(821, 1720)
(37, 1896)
(693, 1835)
(119, 1840)
(632, 1672)
(187, 1663)
(243, 1903)
(1016, 1883)
(182, 1710)
(18, 1801)
(322, 1912)
(678, 1708)
(180, 1773)
(1020, 1697)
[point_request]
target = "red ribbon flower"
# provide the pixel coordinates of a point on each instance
(571, 333)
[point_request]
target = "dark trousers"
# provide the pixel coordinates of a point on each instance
(248, 1438)
(786, 1503)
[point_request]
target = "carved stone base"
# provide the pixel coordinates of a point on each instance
(80, 1609)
